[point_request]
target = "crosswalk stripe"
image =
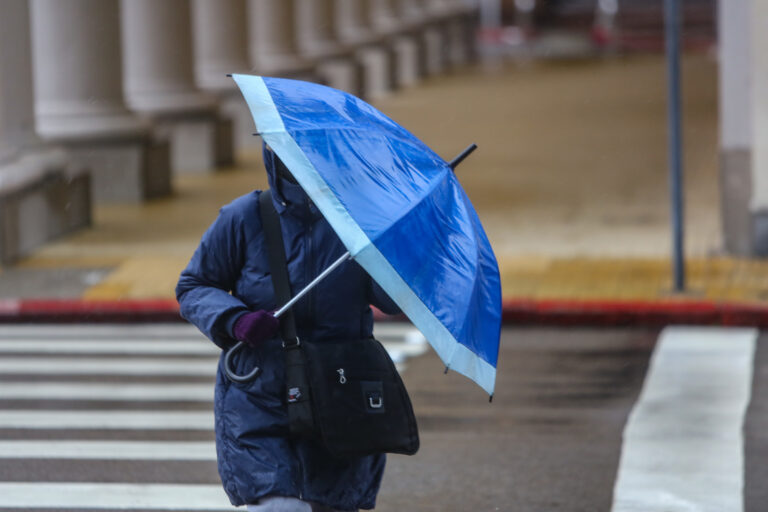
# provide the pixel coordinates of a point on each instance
(97, 419)
(60, 354)
(139, 347)
(159, 331)
(107, 365)
(113, 496)
(26, 390)
(683, 443)
(113, 450)
(112, 346)
(78, 331)
(399, 331)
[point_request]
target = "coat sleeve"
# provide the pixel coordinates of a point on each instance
(379, 298)
(204, 287)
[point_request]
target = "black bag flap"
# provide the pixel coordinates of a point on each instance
(359, 396)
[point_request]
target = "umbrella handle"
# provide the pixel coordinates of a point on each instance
(255, 372)
(231, 375)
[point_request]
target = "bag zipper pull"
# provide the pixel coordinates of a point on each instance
(342, 378)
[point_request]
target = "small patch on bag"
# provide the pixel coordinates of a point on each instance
(373, 394)
(294, 394)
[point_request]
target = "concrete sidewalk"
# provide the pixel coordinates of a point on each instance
(569, 180)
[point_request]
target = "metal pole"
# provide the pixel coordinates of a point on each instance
(344, 257)
(672, 25)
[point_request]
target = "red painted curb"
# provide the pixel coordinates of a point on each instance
(632, 313)
(88, 311)
(515, 312)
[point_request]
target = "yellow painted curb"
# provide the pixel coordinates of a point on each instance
(726, 279)
(140, 278)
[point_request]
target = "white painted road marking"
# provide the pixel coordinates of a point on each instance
(108, 450)
(80, 331)
(683, 445)
(91, 419)
(107, 366)
(110, 346)
(113, 496)
(88, 351)
(30, 390)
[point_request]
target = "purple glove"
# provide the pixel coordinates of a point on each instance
(256, 327)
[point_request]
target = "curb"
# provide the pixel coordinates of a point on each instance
(565, 313)
(88, 311)
(632, 313)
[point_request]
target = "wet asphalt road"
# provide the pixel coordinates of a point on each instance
(550, 441)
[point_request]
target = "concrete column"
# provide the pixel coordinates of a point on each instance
(354, 27)
(735, 125)
(446, 19)
(17, 117)
(744, 125)
(220, 36)
(220, 33)
(430, 29)
(274, 43)
(759, 97)
(159, 84)
(79, 99)
(463, 31)
(42, 195)
(405, 41)
(316, 37)
(353, 21)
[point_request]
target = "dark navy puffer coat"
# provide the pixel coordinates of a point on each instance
(228, 276)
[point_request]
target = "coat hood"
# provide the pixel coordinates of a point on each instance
(286, 193)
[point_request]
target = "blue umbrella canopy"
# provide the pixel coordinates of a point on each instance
(399, 209)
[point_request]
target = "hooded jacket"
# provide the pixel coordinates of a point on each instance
(228, 276)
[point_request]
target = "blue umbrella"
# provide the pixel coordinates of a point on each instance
(397, 207)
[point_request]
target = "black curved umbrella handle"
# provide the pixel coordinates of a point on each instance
(231, 375)
(250, 376)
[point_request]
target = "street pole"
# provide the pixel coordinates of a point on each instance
(672, 24)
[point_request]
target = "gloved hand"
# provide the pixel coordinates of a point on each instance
(255, 327)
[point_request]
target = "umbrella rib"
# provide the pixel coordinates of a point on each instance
(413, 141)
(414, 204)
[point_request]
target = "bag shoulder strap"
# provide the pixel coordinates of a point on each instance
(278, 266)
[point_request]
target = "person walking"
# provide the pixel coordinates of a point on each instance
(226, 291)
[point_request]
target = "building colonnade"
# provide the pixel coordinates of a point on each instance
(105, 100)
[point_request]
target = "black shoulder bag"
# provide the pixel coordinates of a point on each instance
(345, 394)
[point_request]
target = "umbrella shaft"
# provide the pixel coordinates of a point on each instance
(288, 305)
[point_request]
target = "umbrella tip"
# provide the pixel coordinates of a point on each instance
(229, 75)
(461, 156)
(490, 399)
(446, 371)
